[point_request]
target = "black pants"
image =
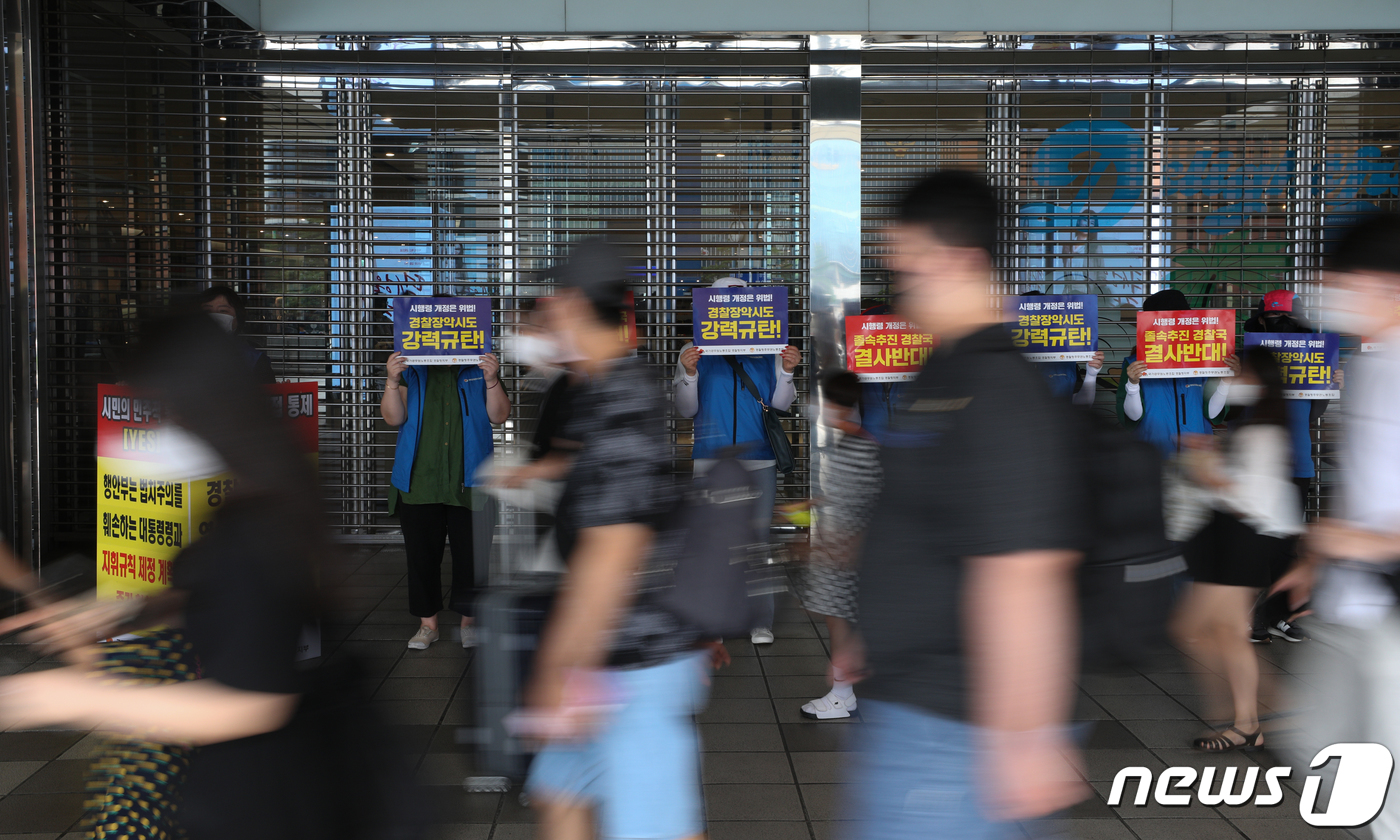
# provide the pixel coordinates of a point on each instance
(426, 528)
(1275, 608)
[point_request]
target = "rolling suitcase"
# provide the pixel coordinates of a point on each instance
(510, 614)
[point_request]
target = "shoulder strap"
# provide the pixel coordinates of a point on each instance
(748, 383)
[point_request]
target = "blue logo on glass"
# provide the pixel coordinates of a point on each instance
(1094, 166)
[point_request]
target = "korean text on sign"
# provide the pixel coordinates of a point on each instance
(1187, 342)
(1055, 328)
(741, 320)
(1309, 362)
(442, 331)
(885, 348)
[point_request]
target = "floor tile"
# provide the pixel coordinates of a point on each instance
(1073, 829)
(41, 812)
(1164, 734)
(752, 830)
(795, 646)
(1140, 707)
(799, 687)
(458, 831)
(752, 802)
(447, 769)
(1111, 735)
(37, 745)
(1169, 829)
(831, 830)
(825, 801)
(13, 773)
(724, 686)
(738, 711)
(451, 805)
(57, 777)
(795, 666)
(421, 667)
(1095, 684)
(820, 767)
(417, 688)
(1103, 765)
(740, 737)
(411, 711)
(1128, 811)
(746, 768)
(816, 737)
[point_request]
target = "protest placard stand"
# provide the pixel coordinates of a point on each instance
(442, 330)
(740, 320)
(153, 500)
(1055, 328)
(885, 348)
(1309, 362)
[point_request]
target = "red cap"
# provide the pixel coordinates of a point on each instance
(1279, 300)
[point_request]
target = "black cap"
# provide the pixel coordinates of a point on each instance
(596, 268)
(1165, 300)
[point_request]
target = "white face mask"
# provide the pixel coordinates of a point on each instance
(185, 456)
(1245, 394)
(535, 351)
(1349, 311)
(226, 321)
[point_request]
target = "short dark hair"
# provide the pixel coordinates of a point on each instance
(959, 207)
(841, 387)
(234, 299)
(1372, 244)
(1271, 407)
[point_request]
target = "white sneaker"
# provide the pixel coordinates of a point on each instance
(830, 707)
(424, 637)
(468, 636)
(761, 636)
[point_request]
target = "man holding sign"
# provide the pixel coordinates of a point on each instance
(1179, 356)
(740, 333)
(443, 393)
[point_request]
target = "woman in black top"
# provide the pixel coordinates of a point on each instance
(275, 757)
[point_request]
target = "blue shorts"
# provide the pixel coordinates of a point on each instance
(913, 778)
(641, 770)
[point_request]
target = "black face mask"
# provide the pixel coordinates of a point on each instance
(1282, 322)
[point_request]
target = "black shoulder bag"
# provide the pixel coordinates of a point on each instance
(772, 426)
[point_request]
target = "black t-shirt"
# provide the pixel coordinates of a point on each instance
(978, 460)
(622, 476)
(553, 417)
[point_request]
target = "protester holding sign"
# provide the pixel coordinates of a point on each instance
(444, 414)
(709, 387)
(1163, 409)
(1057, 333)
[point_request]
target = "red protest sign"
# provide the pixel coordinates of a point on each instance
(629, 326)
(885, 348)
(1186, 342)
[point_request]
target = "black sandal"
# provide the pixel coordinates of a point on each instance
(1220, 743)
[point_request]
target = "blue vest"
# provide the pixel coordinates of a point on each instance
(476, 426)
(1170, 409)
(1061, 377)
(1299, 420)
(729, 415)
(878, 401)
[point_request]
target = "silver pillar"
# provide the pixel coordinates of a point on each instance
(833, 197)
(24, 197)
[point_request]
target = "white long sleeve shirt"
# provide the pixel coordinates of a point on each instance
(1132, 400)
(687, 393)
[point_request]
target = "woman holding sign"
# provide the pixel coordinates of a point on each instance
(444, 414)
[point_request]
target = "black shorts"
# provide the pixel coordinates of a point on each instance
(1228, 552)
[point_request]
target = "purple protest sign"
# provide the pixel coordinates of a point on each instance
(442, 331)
(741, 320)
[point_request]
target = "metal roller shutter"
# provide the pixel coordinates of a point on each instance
(321, 176)
(1217, 165)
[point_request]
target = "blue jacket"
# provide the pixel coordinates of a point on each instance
(729, 415)
(1170, 408)
(476, 425)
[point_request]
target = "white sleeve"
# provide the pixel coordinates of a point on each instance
(687, 389)
(784, 392)
(1132, 403)
(1218, 399)
(1085, 394)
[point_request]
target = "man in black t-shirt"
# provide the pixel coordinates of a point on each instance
(966, 603)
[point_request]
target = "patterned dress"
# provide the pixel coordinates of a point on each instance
(134, 782)
(848, 490)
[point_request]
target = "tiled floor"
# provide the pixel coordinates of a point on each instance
(768, 773)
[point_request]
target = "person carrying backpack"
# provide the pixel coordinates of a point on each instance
(617, 678)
